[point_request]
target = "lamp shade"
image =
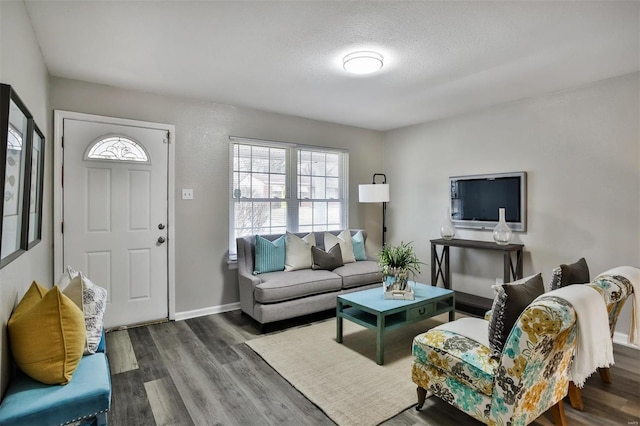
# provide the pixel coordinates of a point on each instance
(373, 193)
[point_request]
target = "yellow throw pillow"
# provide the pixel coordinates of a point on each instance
(34, 294)
(47, 336)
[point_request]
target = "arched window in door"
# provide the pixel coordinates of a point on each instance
(117, 148)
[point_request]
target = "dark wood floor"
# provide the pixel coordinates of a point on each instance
(200, 372)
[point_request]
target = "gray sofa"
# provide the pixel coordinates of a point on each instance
(274, 296)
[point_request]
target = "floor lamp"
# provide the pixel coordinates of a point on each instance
(376, 193)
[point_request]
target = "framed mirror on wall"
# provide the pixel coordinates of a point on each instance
(21, 177)
(33, 203)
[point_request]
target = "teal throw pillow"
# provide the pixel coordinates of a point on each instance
(358, 246)
(269, 255)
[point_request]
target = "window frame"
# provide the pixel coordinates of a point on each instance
(291, 184)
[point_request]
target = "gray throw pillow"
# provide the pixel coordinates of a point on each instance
(564, 275)
(510, 301)
(328, 260)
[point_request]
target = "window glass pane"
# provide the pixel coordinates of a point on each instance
(333, 188)
(242, 218)
(117, 148)
(244, 185)
(278, 161)
(305, 213)
(333, 165)
(244, 158)
(277, 186)
(318, 163)
(260, 159)
(319, 213)
(318, 187)
(334, 213)
(260, 185)
(304, 187)
(261, 215)
(279, 215)
(304, 163)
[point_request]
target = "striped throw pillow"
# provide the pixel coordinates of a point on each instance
(269, 255)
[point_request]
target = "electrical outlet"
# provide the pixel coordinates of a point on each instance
(187, 194)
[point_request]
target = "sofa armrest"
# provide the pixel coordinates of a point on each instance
(247, 282)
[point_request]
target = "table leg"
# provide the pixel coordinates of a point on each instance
(339, 321)
(519, 264)
(434, 276)
(506, 275)
(447, 270)
(380, 340)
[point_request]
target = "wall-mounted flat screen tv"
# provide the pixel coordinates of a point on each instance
(476, 200)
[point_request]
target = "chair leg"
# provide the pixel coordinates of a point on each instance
(422, 395)
(605, 374)
(575, 397)
(557, 411)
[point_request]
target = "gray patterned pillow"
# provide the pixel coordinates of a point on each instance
(564, 275)
(510, 300)
(92, 300)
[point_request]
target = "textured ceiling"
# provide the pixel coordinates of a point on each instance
(441, 57)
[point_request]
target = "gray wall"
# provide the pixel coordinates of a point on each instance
(22, 66)
(203, 279)
(581, 150)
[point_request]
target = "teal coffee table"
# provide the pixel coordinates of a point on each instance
(369, 309)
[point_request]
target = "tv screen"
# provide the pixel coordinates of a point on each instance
(476, 200)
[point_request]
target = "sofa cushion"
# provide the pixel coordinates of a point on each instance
(509, 302)
(270, 255)
(575, 273)
(359, 273)
(47, 336)
(281, 286)
(327, 260)
(298, 251)
(358, 246)
(346, 245)
(460, 354)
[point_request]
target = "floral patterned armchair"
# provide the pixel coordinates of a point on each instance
(530, 377)
(615, 289)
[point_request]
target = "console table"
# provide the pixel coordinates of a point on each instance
(466, 302)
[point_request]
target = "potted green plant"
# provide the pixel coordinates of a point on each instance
(398, 264)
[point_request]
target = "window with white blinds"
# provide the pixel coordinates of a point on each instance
(277, 187)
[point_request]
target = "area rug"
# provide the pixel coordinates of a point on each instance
(343, 380)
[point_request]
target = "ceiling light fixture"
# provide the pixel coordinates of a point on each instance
(364, 62)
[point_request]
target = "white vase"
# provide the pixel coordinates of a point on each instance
(448, 230)
(502, 233)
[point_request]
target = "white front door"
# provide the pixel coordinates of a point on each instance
(115, 215)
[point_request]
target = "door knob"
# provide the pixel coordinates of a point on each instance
(161, 226)
(161, 240)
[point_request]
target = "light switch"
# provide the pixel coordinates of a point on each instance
(187, 194)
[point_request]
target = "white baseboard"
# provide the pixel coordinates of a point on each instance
(622, 339)
(207, 311)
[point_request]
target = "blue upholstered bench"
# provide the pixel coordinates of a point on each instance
(87, 397)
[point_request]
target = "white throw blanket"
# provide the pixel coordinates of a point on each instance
(594, 347)
(633, 275)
